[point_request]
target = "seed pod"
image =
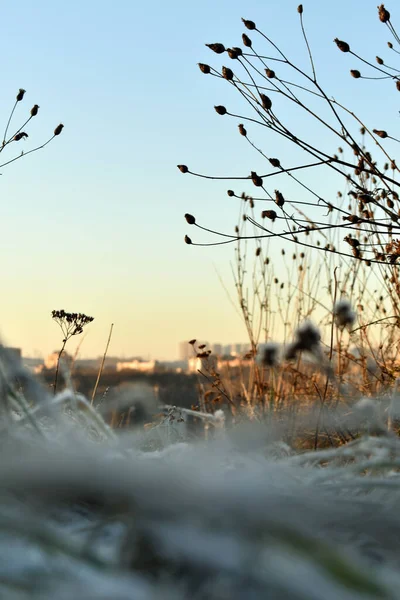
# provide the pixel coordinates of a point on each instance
(379, 60)
(256, 179)
(365, 198)
(355, 73)
(20, 94)
(242, 130)
(230, 193)
(246, 40)
(266, 102)
(234, 52)
(188, 240)
(398, 85)
(204, 68)
(390, 203)
(190, 219)
(343, 46)
(270, 73)
(279, 199)
(227, 73)
(300, 9)
(19, 136)
(269, 214)
(221, 110)
(34, 110)
(352, 218)
(258, 251)
(249, 24)
(275, 162)
(390, 45)
(384, 15)
(217, 48)
(380, 133)
(183, 168)
(353, 242)
(58, 129)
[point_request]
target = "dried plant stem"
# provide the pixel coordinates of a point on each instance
(102, 365)
(58, 365)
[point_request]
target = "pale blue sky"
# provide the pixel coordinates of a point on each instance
(94, 222)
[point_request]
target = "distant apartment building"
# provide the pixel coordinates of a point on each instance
(137, 364)
(196, 364)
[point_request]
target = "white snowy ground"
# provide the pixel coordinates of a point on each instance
(85, 514)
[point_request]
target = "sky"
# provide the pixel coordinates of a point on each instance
(94, 222)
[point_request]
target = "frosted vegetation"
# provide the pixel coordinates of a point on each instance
(86, 513)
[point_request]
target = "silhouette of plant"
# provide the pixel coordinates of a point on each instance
(20, 134)
(70, 324)
(369, 213)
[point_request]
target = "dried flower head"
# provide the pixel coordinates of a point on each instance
(279, 199)
(266, 102)
(71, 323)
(204, 68)
(230, 193)
(190, 219)
(300, 9)
(217, 48)
(227, 73)
(188, 240)
(249, 24)
(380, 133)
(246, 40)
(242, 130)
(343, 46)
(275, 162)
(308, 336)
(58, 129)
(270, 355)
(379, 60)
(183, 168)
(269, 214)
(355, 73)
(256, 179)
(234, 53)
(20, 95)
(384, 15)
(270, 73)
(34, 110)
(19, 136)
(344, 314)
(221, 110)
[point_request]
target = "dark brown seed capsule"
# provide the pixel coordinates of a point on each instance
(217, 48)
(246, 40)
(256, 179)
(384, 15)
(249, 24)
(188, 240)
(204, 68)
(190, 219)
(20, 94)
(266, 102)
(343, 46)
(58, 129)
(355, 73)
(242, 130)
(34, 110)
(183, 168)
(227, 73)
(221, 110)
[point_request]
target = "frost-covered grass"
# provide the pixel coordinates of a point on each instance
(86, 513)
